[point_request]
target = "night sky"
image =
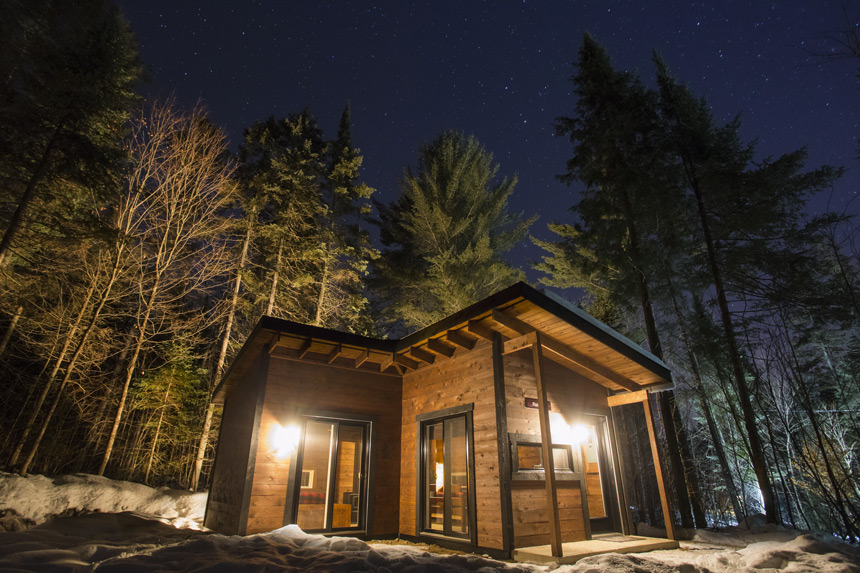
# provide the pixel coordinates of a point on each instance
(500, 70)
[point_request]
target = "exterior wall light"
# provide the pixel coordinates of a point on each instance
(284, 440)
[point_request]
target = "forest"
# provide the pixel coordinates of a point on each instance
(138, 251)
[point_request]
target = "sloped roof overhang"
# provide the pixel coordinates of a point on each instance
(569, 335)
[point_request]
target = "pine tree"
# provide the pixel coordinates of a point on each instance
(446, 233)
(345, 247)
(68, 77)
(622, 157)
(741, 210)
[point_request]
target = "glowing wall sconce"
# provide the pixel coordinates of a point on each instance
(284, 440)
(580, 434)
(562, 433)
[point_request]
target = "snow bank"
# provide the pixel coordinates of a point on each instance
(129, 543)
(121, 538)
(37, 498)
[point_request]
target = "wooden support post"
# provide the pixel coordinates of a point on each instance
(546, 447)
(658, 469)
(503, 444)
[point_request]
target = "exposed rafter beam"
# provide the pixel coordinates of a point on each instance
(627, 398)
(306, 347)
(520, 342)
(362, 358)
(423, 354)
(457, 337)
(336, 351)
(405, 361)
(602, 373)
(482, 330)
(440, 347)
(386, 363)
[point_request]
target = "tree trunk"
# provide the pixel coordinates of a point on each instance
(129, 375)
(322, 293)
(713, 429)
(40, 400)
(157, 432)
(70, 367)
(7, 336)
(29, 194)
(274, 291)
(675, 435)
(219, 364)
(757, 455)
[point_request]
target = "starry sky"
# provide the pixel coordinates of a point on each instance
(500, 70)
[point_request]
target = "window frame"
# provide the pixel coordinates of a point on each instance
(294, 486)
(422, 422)
(539, 474)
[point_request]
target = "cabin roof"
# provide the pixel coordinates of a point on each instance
(518, 313)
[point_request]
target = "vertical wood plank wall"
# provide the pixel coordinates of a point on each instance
(224, 506)
(292, 383)
(570, 395)
(465, 378)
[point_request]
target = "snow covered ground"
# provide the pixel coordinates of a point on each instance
(138, 528)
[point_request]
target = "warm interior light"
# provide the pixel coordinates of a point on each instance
(284, 440)
(440, 477)
(579, 434)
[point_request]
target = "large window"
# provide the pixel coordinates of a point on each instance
(446, 490)
(332, 475)
(527, 459)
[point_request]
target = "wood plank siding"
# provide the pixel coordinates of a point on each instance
(570, 395)
(295, 387)
(224, 507)
(466, 378)
(532, 518)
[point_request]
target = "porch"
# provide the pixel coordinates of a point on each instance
(573, 551)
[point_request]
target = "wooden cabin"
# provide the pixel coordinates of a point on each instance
(489, 431)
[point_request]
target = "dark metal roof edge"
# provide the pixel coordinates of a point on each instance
(327, 334)
(279, 325)
(553, 303)
(546, 300)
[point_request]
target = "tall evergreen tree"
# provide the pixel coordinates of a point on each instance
(345, 249)
(446, 233)
(621, 155)
(68, 73)
(740, 208)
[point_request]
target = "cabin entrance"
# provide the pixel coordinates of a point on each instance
(331, 479)
(595, 447)
(446, 468)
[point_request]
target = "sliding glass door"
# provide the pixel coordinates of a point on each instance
(445, 467)
(332, 475)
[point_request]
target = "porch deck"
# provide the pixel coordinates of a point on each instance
(600, 544)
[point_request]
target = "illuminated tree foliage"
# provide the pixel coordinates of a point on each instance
(446, 233)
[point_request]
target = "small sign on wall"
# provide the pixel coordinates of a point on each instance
(534, 403)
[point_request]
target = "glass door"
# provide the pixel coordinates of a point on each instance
(599, 482)
(445, 483)
(332, 475)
